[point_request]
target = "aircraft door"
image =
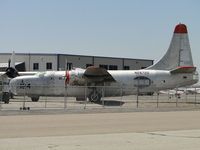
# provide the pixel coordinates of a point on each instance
(59, 84)
(142, 81)
(50, 84)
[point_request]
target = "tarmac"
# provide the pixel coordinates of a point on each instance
(174, 130)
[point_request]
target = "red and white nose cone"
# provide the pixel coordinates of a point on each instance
(180, 28)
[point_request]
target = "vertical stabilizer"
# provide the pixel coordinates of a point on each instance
(179, 52)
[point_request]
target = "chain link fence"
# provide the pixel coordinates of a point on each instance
(93, 97)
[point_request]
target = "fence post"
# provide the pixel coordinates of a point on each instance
(102, 91)
(85, 96)
(157, 98)
(195, 96)
(137, 96)
(121, 96)
(65, 97)
(1, 94)
(0, 105)
(45, 102)
(186, 98)
(168, 95)
(23, 103)
(176, 95)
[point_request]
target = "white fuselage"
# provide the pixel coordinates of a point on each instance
(128, 82)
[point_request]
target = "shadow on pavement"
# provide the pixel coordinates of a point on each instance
(110, 103)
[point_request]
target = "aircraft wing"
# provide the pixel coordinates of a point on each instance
(183, 69)
(95, 75)
(2, 75)
(27, 73)
(5, 74)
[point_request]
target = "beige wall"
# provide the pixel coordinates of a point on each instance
(81, 61)
(109, 61)
(42, 60)
(58, 61)
(29, 59)
(137, 64)
(77, 61)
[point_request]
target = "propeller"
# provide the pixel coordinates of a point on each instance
(11, 72)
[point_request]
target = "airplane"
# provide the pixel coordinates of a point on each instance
(172, 93)
(175, 69)
(192, 89)
(6, 76)
(11, 71)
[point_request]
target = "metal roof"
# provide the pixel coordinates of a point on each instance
(4, 65)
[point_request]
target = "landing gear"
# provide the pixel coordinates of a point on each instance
(35, 98)
(6, 97)
(24, 108)
(94, 96)
(80, 98)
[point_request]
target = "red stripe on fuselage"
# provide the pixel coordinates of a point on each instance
(67, 75)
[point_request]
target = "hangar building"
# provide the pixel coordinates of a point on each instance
(47, 62)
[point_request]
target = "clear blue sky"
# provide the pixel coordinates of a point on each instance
(115, 28)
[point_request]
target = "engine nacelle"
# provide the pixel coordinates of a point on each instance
(11, 72)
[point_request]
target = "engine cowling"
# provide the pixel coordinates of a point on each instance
(11, 72)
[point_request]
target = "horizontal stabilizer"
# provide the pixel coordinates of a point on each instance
(183, 69)
(96, 74)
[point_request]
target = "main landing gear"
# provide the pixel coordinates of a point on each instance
(35, 98)
(95, 96)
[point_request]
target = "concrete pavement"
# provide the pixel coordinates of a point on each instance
(134, 130)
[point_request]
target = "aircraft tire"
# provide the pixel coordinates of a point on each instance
(6, 97)
(94, 96)
(80, 98)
